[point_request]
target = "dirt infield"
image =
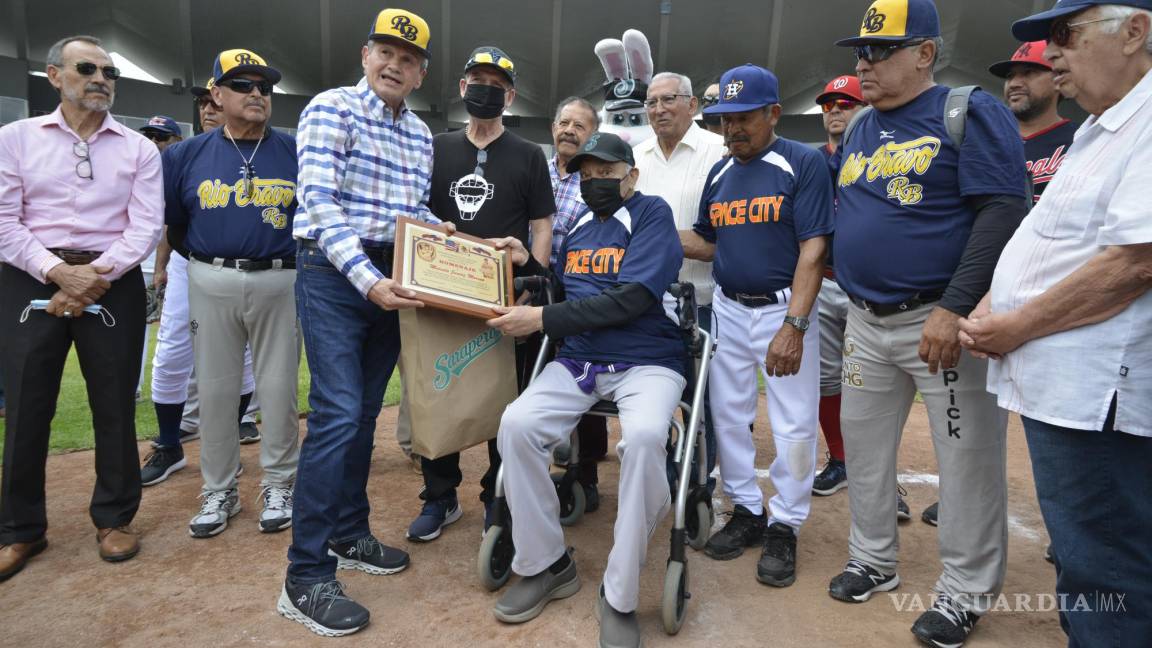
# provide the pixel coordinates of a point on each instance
(222, 592)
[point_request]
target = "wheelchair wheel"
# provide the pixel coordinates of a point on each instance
(494, 564)
(571, 500)
(674, 606)
(698, 524)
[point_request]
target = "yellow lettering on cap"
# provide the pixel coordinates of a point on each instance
(886, 18)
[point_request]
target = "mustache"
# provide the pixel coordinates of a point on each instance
(567, 138)
(98, 87)
(732, 140)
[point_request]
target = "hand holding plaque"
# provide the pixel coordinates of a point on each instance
(460, 273)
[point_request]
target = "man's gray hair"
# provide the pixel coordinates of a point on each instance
(683, 83)
(56, 52)
(579, 101)
(1122, 13)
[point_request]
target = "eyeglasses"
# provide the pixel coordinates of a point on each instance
(159, 137)
(842, 104)
(111, 72)
(245, 86)
(1061, 33)
(878, 53)
(666, 101)
(481, 159)
(84, 166)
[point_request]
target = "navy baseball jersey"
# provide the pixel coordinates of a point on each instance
(758, 212)
(903, 217)
(1045, 152)
(638, 244)
(204, 188)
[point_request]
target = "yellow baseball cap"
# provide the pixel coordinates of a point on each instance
(403, 26)
(233, 62)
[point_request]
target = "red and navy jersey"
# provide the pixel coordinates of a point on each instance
(637, 244)
(1045, 152)
(903, 216)
(758, 212)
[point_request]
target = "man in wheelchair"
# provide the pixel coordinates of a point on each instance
(619, 344)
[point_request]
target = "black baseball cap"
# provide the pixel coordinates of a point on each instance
(603, 146)
(494, 56)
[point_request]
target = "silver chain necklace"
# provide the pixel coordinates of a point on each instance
(247, 162)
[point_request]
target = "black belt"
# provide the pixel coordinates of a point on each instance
(75, 257)
(912, 303)
(247, 265)
(379, 255)
(751, 301)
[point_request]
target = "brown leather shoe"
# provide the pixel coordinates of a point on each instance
(13, 557)
(118, 544)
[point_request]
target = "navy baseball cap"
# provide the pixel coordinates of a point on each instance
(602, 146)
(745, 88)
(495, 57)
(162, 124)
(896, 21)
(1039, 26)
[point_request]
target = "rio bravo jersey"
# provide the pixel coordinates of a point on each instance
(903, 217)
(758, 212)
(637, 244)
(204, 188)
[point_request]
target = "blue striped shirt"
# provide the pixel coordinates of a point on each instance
(359, 170)
(569, 206)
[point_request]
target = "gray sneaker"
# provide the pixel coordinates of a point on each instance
(214, 513)
(525, 599)
(617, 630)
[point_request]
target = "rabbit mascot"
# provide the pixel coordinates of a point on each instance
(628, 68)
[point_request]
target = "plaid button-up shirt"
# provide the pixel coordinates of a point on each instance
(569, 207)
(359, 170)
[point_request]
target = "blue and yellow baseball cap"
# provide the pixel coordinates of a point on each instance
(1039, 26)
(896, 21)
(234, 62)
(403, 26)
(204, 90)
(745, 88)
(494, 56)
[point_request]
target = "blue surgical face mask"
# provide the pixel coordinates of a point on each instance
(95, 309)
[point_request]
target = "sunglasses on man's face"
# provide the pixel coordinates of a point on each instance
(1062, 30)
(842, 104)
(158, 137)
(111, 72)
(205, 101)
(878, 53)
(245, 86)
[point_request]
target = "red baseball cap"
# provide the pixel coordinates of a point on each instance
(847, 86)
(1028, 54)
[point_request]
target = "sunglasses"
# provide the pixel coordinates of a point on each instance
(1062, 31)
(245, 86)
(111, 72)
(878, 53)
(206, 100)
(842, 104)
(158, 137)
(481, 160)
(84, 166)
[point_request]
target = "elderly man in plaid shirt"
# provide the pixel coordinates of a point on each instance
(365, 159)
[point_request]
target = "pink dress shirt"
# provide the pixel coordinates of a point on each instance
(44, 203)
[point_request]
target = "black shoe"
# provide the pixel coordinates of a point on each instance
(946, 625)
(162, 462)
(591, 497)
(931, 514)
(322, 608)
(833, 478)
(903, 513)
(859, 581)
(249, 433)
(777, 566)
(185, 437)
(743, 530)
(368, 555)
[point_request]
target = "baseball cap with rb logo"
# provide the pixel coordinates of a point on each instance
(234, 62)
(403, 26)
(896, 21)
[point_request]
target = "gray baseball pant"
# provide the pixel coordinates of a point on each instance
(832, 304)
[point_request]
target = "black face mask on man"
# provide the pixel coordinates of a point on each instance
(602, 195)
(484, 101)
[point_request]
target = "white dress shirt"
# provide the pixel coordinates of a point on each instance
(679, 180)
(1099, 198)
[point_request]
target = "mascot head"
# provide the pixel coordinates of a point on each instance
(628, 69)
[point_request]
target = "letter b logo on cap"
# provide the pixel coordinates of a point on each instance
(403, 26)
(873, 21)
(244, 58)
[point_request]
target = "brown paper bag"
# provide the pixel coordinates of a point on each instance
(458, 374)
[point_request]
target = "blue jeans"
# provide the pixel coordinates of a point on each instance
(352, 348)
(1095, 492)
(704, 319)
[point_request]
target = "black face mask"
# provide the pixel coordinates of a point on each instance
(484, 101)
(602, 195)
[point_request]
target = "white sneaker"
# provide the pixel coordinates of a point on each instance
(213, 517)
(277, 512)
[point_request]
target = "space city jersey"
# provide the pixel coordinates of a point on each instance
(758, 212)
(204, 189)
(511, 188)
(637, 244)
(903, 217)
(1045, 152)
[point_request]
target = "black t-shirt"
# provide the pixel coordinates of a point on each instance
(513, 189)
(1046, 151)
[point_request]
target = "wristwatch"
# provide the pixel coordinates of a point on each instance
(801, 323)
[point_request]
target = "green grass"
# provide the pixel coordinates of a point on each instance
(72, 426)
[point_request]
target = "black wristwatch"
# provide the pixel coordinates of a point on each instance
(801, 323)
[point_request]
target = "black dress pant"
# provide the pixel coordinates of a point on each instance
(33, 353)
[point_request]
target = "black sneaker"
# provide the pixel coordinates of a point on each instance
(931, 514)
(322, 608)
(368, 555)
(591, 497)
(249, 433)
(859, 581)
(834, 477)
(185, 437)
(777, 566)
(945, 625)
(743, 530)
(903, 513)
(162, 462)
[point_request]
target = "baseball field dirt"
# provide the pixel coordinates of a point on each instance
(222, 592)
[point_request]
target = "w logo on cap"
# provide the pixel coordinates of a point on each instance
(403, 26)
(873, 21)
(733, 89)
(839, 83)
